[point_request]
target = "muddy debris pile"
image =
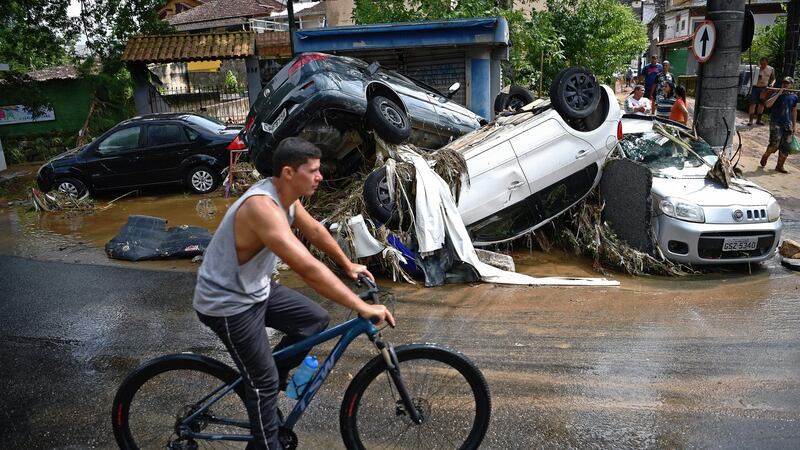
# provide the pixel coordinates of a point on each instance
(59, 201)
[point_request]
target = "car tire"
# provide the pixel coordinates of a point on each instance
(378, 201)
(575, 93)
(515, 99)
(388, 120)
(71, 186)
(202, 179)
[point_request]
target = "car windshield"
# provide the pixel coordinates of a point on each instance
(663, 156)
(206, 122)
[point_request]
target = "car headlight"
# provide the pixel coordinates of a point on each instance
(773, 210)
(682, 209)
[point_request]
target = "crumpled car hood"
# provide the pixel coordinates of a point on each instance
(705, 192)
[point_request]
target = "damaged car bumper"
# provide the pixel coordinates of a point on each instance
(711, 243)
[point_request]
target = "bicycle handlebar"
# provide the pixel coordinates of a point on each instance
(372, 288)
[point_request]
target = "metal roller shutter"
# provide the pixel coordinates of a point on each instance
(439, 68)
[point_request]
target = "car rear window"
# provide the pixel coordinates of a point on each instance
(120, 141)
(163, 134)
(205, 122)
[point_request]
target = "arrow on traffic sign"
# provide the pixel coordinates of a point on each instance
(704, 39)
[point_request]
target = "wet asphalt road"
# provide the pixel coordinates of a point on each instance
(710, 362)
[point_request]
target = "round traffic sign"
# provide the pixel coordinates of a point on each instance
(703, 41)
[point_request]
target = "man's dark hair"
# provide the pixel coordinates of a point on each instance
(293, 152)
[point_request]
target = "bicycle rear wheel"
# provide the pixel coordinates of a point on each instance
(158, 395)
(447, 389)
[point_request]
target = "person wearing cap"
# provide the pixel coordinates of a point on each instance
(637, 103)
(765, 79)
(782, 123)
(650, 74)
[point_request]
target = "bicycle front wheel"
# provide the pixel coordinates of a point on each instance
(446, 388)
(154, 399)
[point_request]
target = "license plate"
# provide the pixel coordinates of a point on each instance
(739, 244)
(275, 124)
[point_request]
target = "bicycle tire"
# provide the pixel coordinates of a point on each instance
(371, 416)
(153, 396)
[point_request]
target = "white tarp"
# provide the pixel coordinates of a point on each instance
(437, 216)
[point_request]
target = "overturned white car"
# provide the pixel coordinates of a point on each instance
(526, 167)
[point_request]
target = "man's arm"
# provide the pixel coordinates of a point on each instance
(319, 237)
(261, 216)
(794, 117)
(771, 101)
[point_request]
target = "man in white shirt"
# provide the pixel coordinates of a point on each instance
(637, 103)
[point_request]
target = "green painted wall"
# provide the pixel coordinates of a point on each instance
(70, 100)
(677, 59)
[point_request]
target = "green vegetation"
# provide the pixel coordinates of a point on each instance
(768, 42)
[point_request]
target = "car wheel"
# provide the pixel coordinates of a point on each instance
(202, 179)
(71, 186)
(515, 99)
(379, 203)
(387, 119)
(575, 93)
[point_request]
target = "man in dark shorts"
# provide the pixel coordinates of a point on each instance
(782, 124)
(236, 297)
(765, 77)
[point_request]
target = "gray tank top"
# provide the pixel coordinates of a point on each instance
(225, 288)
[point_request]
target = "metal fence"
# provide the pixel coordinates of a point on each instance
(223, 103)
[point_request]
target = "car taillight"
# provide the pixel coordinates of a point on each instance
(249, 123)
(619, 131)
(237, 144)
(303, 60)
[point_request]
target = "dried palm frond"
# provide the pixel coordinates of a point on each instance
(59, 201)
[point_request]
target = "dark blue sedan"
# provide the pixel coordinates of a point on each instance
(156, 149)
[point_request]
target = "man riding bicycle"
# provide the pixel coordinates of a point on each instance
(236, 298)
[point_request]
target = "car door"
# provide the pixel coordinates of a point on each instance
(166, 146)
(555, 164)
(113, 163)
(496, 181)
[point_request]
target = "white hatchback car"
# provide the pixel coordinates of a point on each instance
(526, 168)
(696, 220)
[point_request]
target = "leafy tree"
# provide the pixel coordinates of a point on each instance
(108, 24)
(602, 35)
(35, 33)
(769, 42)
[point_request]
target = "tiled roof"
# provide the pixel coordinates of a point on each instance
(317, 9)
(190, 47)
(68, 72)
(222, 9)
(273, 44)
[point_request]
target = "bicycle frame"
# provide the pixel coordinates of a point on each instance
(348, 331)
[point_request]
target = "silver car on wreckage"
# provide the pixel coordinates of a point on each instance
(696, 220)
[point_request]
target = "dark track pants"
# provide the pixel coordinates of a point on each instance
(245, 337)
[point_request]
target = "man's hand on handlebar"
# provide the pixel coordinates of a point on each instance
(353, 270)
(377, 314)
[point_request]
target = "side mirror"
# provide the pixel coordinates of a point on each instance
(453, 89)
(373, 67)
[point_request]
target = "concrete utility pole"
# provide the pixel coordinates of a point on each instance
(792, 38)
(719, 77)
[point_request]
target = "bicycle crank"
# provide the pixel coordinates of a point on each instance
(288, 438)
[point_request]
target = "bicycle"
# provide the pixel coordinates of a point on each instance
(433, 397)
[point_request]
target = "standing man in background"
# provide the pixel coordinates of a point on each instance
(650, 74)
(764, 79)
